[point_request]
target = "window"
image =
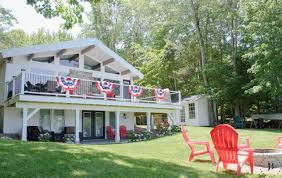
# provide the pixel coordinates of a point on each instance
(49, 59)
(52, 120)
(70, 60)
(191, 107)
(58, 121)
(45, 120)
(113, 120)
(182, 114)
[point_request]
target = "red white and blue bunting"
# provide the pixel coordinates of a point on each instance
(106, 87)
(135, 90)
(67, 83)
(159, 93)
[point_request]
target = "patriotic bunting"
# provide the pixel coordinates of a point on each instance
(67, 83)
(135, 90)
(159, 93)
(106, 87)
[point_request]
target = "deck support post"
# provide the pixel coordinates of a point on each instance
(77, 113)
(148, 115)
(117, 134)
(24, 124)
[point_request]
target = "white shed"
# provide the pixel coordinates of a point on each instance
(195, 111)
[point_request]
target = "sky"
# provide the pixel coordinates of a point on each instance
(29, 20)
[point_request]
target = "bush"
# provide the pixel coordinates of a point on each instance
(45, 137)
(175, 129)
(162, 127)
(135, 137)
(69, 138)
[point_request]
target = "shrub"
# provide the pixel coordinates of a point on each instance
(175, 129)
(135, 137)
(45, 137)
(69, 138)
(162, 127)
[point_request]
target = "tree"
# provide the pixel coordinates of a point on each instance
(6, 21)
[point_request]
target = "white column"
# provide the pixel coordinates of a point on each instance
(81, 61)
(23, 81)
(148, 115)
(117, 136)
(77, 114)
(14, 86)
(24, 124)
(152, 122)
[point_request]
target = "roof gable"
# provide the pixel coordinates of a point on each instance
(55, 47)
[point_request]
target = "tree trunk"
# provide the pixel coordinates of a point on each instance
(201, 41)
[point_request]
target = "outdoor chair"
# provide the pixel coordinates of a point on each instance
(122, 131)
(191, 145)
(110, 133)
(238, 122)
(225, 140)
(278, 143)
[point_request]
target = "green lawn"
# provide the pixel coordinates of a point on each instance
(164, 157)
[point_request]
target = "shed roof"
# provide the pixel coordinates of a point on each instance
(193, 97)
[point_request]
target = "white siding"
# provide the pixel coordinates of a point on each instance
(201, 112)
(12, 120)
(1, 119)
(2, 81)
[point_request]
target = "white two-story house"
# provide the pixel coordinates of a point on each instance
(81, 84)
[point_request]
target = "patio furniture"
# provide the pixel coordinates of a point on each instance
(278, 143)
(191, 145)
(225, 140)
(110, 133)
(34, 132)
(238, 122)
(122, 131)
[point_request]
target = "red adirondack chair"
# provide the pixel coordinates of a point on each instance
(110, 133)
(278, 143)
(191, 144)
(122, 131)
(225, 140)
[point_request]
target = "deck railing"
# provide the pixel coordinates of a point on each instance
(39, 84)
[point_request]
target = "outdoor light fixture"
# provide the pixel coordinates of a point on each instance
(124, 116)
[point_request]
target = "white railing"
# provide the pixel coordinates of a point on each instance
(39, 84)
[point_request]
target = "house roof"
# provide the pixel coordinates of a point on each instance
(55, 47)
(193, 97)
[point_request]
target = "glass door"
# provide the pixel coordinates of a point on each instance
(99, 125)
(93, 125)
(87, 125)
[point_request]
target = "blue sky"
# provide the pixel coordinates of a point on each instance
(30, 21)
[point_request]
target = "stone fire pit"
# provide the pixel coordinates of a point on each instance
(268, 158)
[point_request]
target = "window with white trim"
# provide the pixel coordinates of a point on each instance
(191, 109)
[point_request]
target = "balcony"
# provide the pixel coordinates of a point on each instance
(33, 84)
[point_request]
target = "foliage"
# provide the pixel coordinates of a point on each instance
(140, 136)
(175, 129)
(229, 50)
(163, 127)
(45, 137)
(69, 10)
(18, 38)
(69, 138)
(6, 21)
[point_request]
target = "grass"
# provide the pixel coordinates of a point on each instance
(164, 157)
